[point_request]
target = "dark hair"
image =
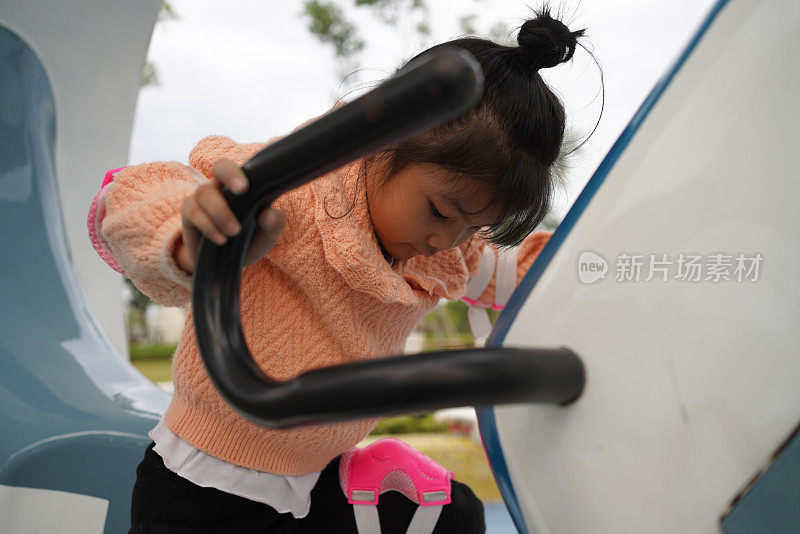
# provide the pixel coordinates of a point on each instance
(512, 137)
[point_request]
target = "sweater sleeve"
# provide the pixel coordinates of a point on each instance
(141, 222)
(495, 273)
(142, 226)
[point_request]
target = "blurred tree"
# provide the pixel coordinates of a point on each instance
(150, 72)
(467, 24)
(330, 22)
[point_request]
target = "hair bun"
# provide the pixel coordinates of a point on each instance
(546, 42)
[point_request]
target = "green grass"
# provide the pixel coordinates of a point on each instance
(155, 350)
(406, 424)
(156, 369)
(153, 360)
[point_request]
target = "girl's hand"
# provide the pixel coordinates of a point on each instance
(207, 213)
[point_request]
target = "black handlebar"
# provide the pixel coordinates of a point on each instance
(430, 91)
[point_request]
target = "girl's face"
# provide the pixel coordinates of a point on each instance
(422, 210)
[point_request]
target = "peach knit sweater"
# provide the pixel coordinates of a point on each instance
(323, 295)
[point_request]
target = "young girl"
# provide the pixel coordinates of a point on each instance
(355, 259)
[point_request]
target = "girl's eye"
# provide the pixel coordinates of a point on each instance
(436, 212)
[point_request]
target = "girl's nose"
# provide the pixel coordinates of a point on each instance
(443, 240)
(435, 243)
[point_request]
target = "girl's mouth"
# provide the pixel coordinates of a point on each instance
(415, 249)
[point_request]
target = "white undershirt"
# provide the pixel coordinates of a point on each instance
(284, 493)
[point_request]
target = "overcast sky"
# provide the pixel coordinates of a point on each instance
(251, 69)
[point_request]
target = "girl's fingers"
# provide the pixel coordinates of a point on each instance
(207, 212)
(194, 215)
(216, 207)
(271, 223)
(227, 173)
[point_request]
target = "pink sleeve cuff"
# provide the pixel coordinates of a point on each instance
(97, 212)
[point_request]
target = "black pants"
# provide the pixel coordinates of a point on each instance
(163, 503)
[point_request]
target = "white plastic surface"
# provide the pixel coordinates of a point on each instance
(690, 385)
(40, 511)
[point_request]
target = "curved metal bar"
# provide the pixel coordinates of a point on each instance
(433, 90)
